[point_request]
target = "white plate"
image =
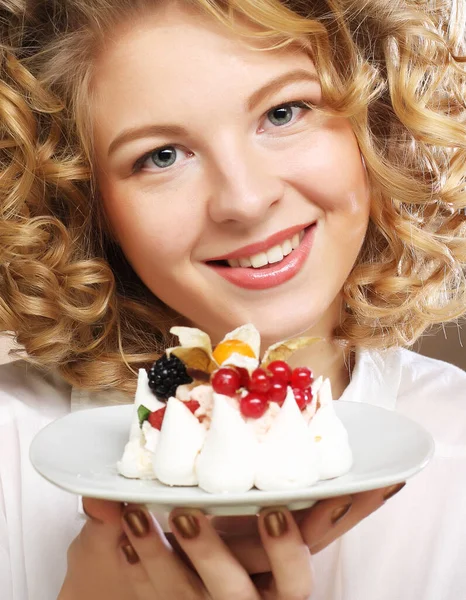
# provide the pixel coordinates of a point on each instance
(79, 453)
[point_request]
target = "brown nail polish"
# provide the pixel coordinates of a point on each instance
(138, 522)
(275, 523)
(339, 513)
(130, 554)
(187, 526)
(393, 490)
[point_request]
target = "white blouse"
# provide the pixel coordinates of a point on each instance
(413, 548)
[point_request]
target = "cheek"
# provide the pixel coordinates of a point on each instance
(330, 173)
(152, 235)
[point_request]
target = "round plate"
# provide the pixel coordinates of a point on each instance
(79, 453)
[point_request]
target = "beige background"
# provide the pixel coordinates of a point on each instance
(445, 344)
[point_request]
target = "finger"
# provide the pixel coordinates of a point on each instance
(104, 511)
(250, 553)
(246, 546)
(340, 517)
(150, 563)
(103, 529)
(235, 526)
(321, 520)
(134, 572)
(289, 556)
(95, 550)
(221, 574)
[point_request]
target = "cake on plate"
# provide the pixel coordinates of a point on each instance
(224, 420)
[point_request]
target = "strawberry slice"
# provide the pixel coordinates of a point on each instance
(193, 405)
(156, 418)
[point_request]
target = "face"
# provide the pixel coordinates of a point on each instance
(233, 200)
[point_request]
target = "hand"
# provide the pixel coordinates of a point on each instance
(157, 572)
(89, 553)
(320, 525)
(94, 571)
(104, 563)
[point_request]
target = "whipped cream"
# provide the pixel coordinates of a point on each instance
(330, 438)
(287, 456)
(181, 439)
(227, 460)
(136, 462)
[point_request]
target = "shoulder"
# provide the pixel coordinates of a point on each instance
(430, 376)
(27, 390)
(433, 392)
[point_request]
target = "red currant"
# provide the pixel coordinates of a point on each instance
(300, 397)
(281, 371)
(301, 378)
(253, 405)
(308, 395)
(260, 381)
(156, 418)
(193, 405)
(244, 377)
(277, 392)
(226, 381)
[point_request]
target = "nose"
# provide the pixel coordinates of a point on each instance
(246, 187)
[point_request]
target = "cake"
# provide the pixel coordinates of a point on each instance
(224, 420)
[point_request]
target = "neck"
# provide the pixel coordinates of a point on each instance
(326, 358)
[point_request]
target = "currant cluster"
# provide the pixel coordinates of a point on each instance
(264, 386)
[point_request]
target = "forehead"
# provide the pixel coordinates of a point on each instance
(174, 58)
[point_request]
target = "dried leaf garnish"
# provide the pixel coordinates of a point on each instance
(283, 350)
(198, 376)
(190, 337)
(194, 358)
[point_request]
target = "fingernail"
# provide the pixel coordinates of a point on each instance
(275, 523)
(393, 490)
(130, 554)
(187, 526)
(138, 522)
(339, 513)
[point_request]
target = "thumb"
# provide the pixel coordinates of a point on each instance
(103, 511)
(103, 529)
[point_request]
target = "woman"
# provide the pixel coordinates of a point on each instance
(146, 147)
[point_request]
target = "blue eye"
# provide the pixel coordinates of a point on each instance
(160, 158)
(163, 157)
(281, 115)
(285, 113)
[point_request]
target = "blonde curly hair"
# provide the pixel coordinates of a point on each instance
(395, 68)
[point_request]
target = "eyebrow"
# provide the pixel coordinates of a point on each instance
(135, 133)
(279, 82)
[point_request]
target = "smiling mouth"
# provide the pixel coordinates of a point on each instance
(266, 259)
(272, 266)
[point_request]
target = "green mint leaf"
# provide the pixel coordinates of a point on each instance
(143, 414)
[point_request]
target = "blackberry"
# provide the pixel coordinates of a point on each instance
(166, 374)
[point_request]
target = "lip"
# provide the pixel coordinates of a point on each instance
(263, 246)
(273, 275)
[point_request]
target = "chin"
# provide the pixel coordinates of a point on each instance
(278, 331)
(275, 320)
(275, 324)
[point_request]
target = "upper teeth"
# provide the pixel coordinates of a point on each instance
(274, 255)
